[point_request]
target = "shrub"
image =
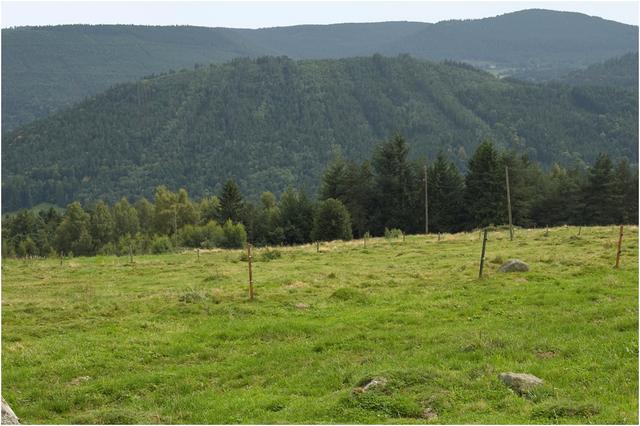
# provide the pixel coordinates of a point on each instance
(161, 244)
(392, 233)
(268, 255)
(233, 235)
(331, 222)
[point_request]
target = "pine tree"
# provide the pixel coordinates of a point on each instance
(626, 190)
(446, 196)
(394, 205)
(485, 193)
(601, 206)
(230, 203)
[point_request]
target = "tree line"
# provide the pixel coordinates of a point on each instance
(198, 128)
(377, 196)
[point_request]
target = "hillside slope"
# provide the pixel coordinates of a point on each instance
(274, 122)
(621, 71)
(46, 68)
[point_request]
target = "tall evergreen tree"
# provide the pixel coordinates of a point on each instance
(446, 196)
(230, 202)
(601, 206)
(484, 199)
(394, 186)
(626, 190)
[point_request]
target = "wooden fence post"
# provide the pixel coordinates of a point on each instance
(130, 254)
(198, 254)
(484, 245)
(619, 247)
(250, 272)
(61, 257)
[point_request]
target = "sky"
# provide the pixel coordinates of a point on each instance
(260, 14)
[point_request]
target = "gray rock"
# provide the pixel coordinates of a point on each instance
(514, 265)
(521, 383)
(8, 416)
(375, 383)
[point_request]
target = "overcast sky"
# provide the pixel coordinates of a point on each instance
(241, 14)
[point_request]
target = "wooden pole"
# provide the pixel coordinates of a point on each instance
(175, 226)
(250, 272)
(506, 173)
(619, 247)
(579, 230)
(403, 234)
(61, 257)
(317, 246)
(365, 240)
(130, 254)
(198, 253)
(484, 245)
(426, 202)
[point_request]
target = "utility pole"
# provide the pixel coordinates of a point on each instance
(506, 173)
(426, 202)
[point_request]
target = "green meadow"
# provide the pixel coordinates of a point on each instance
(174, 339)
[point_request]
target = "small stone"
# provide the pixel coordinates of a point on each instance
(376, 382)
(8, 416)
(302, 306)
(429, 414)
(514, 265)
(521, 383)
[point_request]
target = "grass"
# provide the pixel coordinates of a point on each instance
(170, 339)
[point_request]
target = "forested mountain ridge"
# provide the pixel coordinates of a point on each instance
(274, 122)
(46, 68)
(621, 71)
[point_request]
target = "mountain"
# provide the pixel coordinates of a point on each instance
(274, 122)
(622, 72)
(527, 43)
(47, 68)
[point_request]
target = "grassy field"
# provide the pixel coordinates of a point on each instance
(173, 339)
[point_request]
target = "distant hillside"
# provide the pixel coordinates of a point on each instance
(46, 68)
(622, 72)
(274, 122)
(528, 43)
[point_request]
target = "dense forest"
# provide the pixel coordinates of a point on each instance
(383, 195)
(272, 123)
(621, 71)
(47, 68)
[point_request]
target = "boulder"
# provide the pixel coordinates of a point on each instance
(521, 383)
(8, 416)
(514, 265)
